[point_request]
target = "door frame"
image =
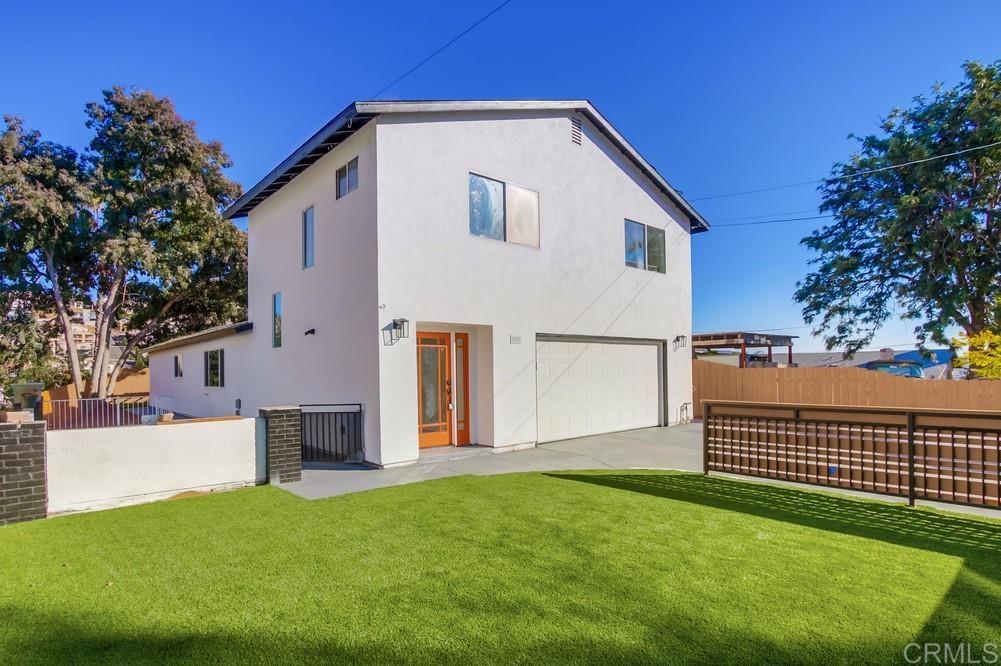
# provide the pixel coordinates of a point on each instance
(665, 417)
(449, 434)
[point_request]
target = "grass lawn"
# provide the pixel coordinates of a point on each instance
(602, 567)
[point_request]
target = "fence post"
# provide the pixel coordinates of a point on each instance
(706, 411)
(22, 471)
(283, 435)
(910, 459)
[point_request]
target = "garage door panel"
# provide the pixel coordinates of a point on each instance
(588, 388)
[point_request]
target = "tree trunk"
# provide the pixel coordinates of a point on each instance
(102, 338)
(64, 321)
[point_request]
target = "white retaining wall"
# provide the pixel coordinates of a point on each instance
(100, 468)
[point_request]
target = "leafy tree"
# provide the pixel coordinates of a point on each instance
(24, 346)
(150, 250)
(45, 224)
(922, 239)
(983, 355)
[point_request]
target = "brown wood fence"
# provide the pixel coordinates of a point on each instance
(935, 454)
(837, 386)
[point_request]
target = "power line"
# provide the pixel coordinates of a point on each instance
(787, 219)
(847, 176)
(758, 217)
(443, 47)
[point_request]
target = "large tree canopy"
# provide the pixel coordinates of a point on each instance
(132, 226)
(922, 241)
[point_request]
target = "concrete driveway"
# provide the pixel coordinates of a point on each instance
(676, 447)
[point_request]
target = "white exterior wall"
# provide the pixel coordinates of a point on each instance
(188, 394)
(104, 467)
(336, 296)
(432, 270)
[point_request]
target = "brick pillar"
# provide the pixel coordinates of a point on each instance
(22, 471)
(283, 432)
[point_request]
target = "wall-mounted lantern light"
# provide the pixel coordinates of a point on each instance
(680, 341)
(311, 331)
(401, 329)
(395, 331)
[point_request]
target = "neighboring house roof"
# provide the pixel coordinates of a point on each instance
(357, 114)
(202, 336)
(734, 339)
(934, 357)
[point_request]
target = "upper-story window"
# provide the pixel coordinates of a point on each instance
(645, 247)
(307, 237)
(276, 320)
(503, 211)
(178, 366)
(215, 368)
(347, 178)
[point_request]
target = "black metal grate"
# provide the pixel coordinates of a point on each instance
(333, 433)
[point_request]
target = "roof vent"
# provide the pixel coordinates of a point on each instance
(575, 130)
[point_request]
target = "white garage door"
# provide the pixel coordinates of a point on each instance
(589, 388)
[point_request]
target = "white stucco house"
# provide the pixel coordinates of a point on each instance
(537, 269)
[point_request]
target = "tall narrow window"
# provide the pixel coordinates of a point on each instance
(635, 244)
(486, 207)
(656, 259)
(307, 237)
(276, 320)
(347, 178)
(215, 368)
(178, 367)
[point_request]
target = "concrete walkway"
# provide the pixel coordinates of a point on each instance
(677, 447)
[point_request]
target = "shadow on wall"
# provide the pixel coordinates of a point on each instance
(976, 591)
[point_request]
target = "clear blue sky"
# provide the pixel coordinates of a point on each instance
(720, 97)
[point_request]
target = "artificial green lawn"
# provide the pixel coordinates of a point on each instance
(599, 567)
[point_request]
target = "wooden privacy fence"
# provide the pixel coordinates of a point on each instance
(837, 386)
(935, 454)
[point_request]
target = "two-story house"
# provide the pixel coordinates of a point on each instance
(499, 273)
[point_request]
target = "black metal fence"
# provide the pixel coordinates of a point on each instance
(333, 432)
(946, 455)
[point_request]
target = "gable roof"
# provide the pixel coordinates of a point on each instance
(357, 114)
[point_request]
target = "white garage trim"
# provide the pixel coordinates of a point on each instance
(636, 407)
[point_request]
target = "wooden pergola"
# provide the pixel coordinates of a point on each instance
(742, 341)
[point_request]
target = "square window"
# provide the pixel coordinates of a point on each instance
(486, 207)
(522, 215)
(307, 237)
(635, 244)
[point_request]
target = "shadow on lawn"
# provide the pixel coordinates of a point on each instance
(975, 593)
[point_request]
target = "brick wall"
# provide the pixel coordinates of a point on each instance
(22, 471)
(283, 428)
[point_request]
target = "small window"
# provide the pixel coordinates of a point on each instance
(215, 368)
(347, 178)
(307, 237)
(655, 252)
(635, 244)
(521, 208)
(276, 320)
(645, 247)
(486, 207)
(503, 211)
(178, 367)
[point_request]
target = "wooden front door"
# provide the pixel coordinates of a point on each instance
(434, 389)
